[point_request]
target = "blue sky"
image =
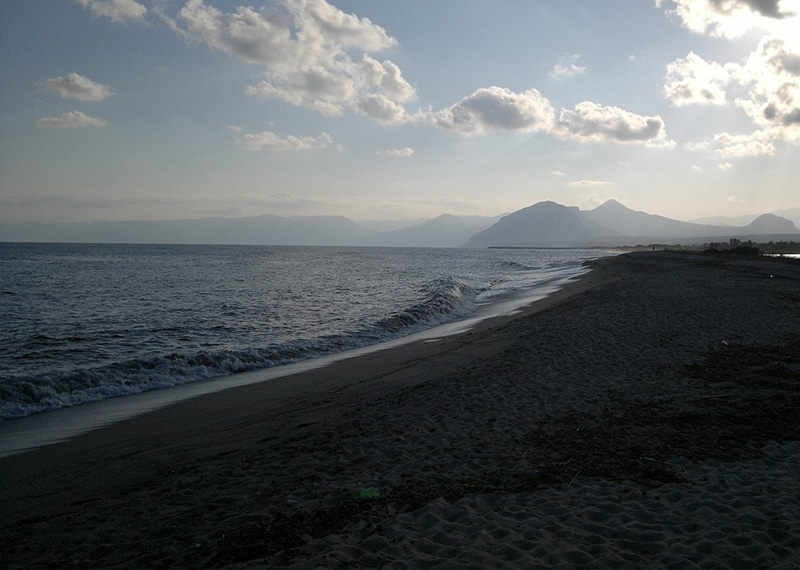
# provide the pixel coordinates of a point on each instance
(168, 109)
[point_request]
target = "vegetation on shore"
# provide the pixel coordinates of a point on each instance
(732, 247)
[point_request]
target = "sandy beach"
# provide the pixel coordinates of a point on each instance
(645, 416)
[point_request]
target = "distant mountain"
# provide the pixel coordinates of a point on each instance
(769, 224)
(543, 224)
(792, 214)
(443, 231)
(261, 230)
(548, 224)
(379, 226)
(625, 221)
(737, 221)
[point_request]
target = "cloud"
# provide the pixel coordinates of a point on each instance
(737, 146)
(726, 18)
(70, 120)
(400, 152)
(115, 10)
(597, 199)
(588, 183)
(75, 86)
(496, 108)
(766, 86)
(306, 48)
(557, 173)
(693, 80)
(590, 122)
(772, 74)
(566, 67)
(267, 140)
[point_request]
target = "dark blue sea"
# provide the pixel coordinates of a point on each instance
(83, 322)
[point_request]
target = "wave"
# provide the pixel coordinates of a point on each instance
(445, 300)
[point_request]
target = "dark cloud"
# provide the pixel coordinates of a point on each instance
(768, 8)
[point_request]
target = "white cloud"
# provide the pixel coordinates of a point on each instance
(596, 199)
(557, 173)
(727, 18)
(70, 120)
(765, 86)
(75, 86)
(497, 108)
(772, 74)
(588, 183)
(725, 165)
(493, 107)
(115, 10)
(267, 140)
(693, 80)
(567, 67)
(383, 109)
(590, 122)
(404, 152)
(737, 146)
(305, 46)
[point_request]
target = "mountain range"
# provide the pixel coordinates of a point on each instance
(549, 224)
(545, 224)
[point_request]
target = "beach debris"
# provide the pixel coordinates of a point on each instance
(370, 493)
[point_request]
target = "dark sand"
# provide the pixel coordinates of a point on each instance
(645, 417)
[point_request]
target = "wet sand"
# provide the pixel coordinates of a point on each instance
(644, 417)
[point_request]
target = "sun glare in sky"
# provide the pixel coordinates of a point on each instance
(168, 109)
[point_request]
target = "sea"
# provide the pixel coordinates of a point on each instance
(82, 323)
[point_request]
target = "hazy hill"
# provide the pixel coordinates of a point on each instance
(543, 224)
(769, 224)
(548, 224)
(792, 214)
(261, 230)
(379, 226)
(625, 221)
(443, 231)
(725, 221)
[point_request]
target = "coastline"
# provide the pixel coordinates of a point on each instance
(577, 400)
(19, 435)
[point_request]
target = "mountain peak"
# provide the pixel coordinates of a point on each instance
(544, 223)
(611, 203)
(770, 224)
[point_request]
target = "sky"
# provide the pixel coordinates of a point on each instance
(396, 109)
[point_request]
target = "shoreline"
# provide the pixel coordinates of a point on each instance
(20, 435)
(475, 442)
